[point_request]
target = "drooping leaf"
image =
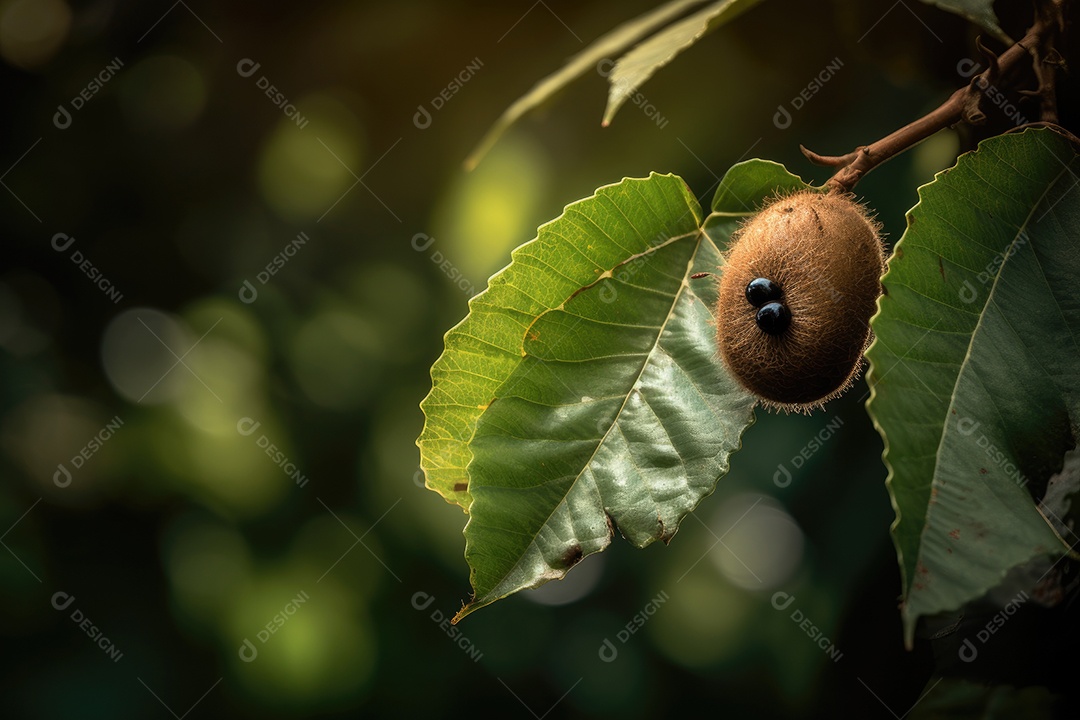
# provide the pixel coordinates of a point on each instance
(586, 61)
(638, 65)
(975, 370)
(621, 414)
(980, 12)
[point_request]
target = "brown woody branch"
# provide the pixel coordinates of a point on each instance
(964, 105)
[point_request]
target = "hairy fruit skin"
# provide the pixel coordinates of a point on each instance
(825, 254)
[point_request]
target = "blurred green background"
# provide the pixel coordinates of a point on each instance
(135, 358)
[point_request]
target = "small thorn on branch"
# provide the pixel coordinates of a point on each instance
(993, 68)
(829, 160)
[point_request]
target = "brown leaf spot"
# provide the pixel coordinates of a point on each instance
(610, 524)
(665, 534)
(571, 557)
(461, 487)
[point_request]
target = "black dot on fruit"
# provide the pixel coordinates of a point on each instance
(762, 290)
(773, 318)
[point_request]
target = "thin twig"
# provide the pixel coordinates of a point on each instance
(1046, 63)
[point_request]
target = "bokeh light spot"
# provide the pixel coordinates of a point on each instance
(163, 93)
(313, 645)
(49, 431)
(762, 544)
(335, 357)
(933, 154)
(139, 352)
(703, 622)
(493, 209)
(31, 31)
(301, 173)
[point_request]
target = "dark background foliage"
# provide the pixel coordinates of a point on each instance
(180, 538)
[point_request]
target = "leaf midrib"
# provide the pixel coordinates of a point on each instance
(683, 287)
(1008, 252)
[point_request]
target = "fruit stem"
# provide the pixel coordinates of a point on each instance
(964, 104)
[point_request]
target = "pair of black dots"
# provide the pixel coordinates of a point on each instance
(773, 317)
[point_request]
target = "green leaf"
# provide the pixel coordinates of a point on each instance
(621, 414)
(980, 12)
(486, 347)
(586, 61)
(748, 185)
(975, 366)
(638, 65)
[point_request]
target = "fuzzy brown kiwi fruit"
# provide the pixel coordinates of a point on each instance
(795, 337)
